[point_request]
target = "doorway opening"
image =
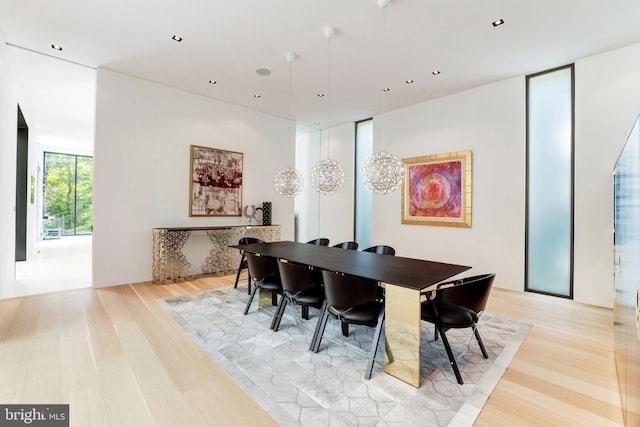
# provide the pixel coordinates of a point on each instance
(58, 100)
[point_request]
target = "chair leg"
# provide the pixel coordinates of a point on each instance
(239, 270)
(452, 360)
(305, 312)
(374, 344)
(480, 343)
(320, 326)
(345, 329)
(248, 282)
(387, 349)
(275, 323)
(274, 298)
(253, 294)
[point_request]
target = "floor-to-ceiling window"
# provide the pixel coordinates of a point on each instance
(363, 202)
(68, 194)
(549, 233)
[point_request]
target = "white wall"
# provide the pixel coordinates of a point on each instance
(142, 147)
(490, 120)
(8, 137)
(336, 210)
(607, 103)
(308, 147)
(143, 134)
(321, 215)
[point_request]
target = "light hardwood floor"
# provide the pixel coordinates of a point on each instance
(119, 360)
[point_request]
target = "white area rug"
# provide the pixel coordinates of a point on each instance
(300, 388)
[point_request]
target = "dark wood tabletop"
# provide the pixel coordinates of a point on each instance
(406, 272)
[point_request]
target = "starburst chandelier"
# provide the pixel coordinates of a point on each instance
(382, 172)
(288, 182)
(327, 177)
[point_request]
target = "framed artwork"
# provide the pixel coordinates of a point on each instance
(437, 190)
(215, 187)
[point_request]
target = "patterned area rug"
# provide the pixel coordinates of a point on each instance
(300, 388)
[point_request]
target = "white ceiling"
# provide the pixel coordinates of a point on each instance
(227, 41)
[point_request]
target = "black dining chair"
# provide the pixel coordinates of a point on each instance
(300, 286)
(347, 245)
(457, 304)
(351, 300)
(243, 261)
(265, 276)
(381, 249)
(320, 242)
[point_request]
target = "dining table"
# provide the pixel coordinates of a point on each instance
(404, 280)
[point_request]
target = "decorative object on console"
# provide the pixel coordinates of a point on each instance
(251, 212)
(437, 190)
(215, 187)
(266, 213)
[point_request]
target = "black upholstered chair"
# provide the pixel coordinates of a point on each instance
(301, 286)
(265, 275)
(347, 245)
(351, 300)
(321, 242)
(458, 304)
(243, 261)
(381, 249)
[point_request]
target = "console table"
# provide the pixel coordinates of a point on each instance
(171, 264)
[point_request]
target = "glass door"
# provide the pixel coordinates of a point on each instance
(68, 195)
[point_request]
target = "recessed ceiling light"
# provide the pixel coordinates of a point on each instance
(257, 95)
(212, 82)
(498, 22)
(408, 81)
(435, 72)
(56, 47)
(316, 123)
(263, 72)
(320, 95)
(177, 38)
(386, 89)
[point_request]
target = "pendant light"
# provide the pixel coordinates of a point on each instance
(382, 172)
(289, 182)
(327, 176)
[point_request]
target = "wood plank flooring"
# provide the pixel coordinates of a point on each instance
(119, 360)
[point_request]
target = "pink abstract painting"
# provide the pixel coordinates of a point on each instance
(435, 189)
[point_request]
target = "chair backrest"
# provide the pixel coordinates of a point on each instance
(296, 277)
(249, 240)
(261, 267)
(471, 292)
(381, 249)
(344, 291)
(321, 242)
(347, 245)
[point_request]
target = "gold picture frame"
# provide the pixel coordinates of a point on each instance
(215, 185)
(437, 190)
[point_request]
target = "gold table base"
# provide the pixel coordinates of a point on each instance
(402, 332)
